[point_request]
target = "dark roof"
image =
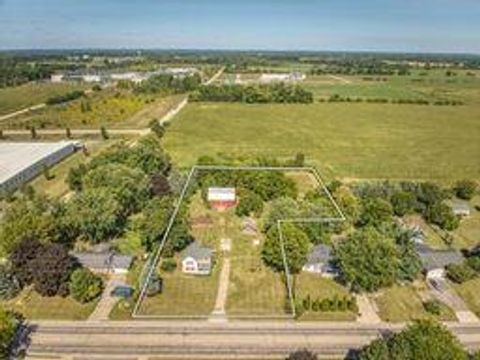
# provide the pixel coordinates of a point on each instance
(104, 261)
(197, 251)
(319, 254)
(437, 259)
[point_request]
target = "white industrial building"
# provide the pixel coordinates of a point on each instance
(282, 77)
(21, 162)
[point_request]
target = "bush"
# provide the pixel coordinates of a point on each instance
(85, 285)
(443, 216)
(459, 273)
(465, 189)
(433, 307)
(302, 355)
(474, 263)
(8, 327)
(168, 264)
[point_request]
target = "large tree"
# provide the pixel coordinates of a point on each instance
(367, 260)
(295, 245)
(375, 211)
(424, 339)
(21, 259)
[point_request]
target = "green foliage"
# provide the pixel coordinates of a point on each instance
(168, 264)
(130, 187)
(250, 203)
(59, 99)
(367, 260)
(160, 185)
(85, 285)
(302, 355)
(345, 303)
(474, 262)
(459, 273)
(75, 177)
(157, 128)
(375, 212)
(178, 238)
(424, 339)
(168, 84)
(410, 264)
(442, 215)
(433, 307)
(282, 208)
(465, 189)
(94, 214)
(403, 203)
(8, 327)
(430, 194)
(348, 202)
(9, 285)
(104, 133)
(295, 243)
(251, 94)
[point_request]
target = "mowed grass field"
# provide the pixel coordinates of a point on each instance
(345, 140)
(20, 97)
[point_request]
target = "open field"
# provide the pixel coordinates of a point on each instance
(403, 303)
(36, 307)
(20, 97)
(468, 233)
(345, 140)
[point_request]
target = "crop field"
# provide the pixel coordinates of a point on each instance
(345, 140)
(20, 97)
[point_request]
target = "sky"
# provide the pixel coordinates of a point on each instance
(337, 25)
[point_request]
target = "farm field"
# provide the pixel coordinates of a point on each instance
(20, 97)
(344, 140)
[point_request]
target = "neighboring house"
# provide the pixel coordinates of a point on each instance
(197, 259)
(221, 198)
(460, 208)
(91, 78)
(434, 261)
(104, 263)
(319, 261)
(56, 78)
(418, 236)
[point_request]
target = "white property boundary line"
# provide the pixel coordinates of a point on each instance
(153, 264)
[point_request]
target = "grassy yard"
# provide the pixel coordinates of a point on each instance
(321, 288)
(344, 140)
(468, 233)
(403, 303)
(469, 292)
(36, 307)
(20, 97)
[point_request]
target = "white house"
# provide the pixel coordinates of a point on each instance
(460, 208)
(282, 77)
(197, 259)
(56, 78)
(319, 261)
(91, 78)
(221, 198)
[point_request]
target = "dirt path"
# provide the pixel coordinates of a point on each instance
(341, 79)
(23, 111)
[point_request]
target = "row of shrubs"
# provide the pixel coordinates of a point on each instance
(335, 303)
(338, 98)
(468, 270)
(70, 96)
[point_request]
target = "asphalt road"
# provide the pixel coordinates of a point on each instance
(197, 340)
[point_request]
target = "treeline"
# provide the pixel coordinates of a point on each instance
(15, 72)
(379, 100)
(254, 94)
(70, 96)
(168, 84)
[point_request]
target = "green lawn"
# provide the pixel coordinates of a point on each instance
(468, 233)
(319, 287)
(403, 303)
(469, 292)
(36, 307)
(20, 97)
(345, 140)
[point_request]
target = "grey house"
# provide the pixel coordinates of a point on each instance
(319, 261)
(434, 261)
(106, 262)
(197, 259)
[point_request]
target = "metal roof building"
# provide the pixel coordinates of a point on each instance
(21, 162)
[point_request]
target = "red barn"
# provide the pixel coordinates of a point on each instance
(221, 198)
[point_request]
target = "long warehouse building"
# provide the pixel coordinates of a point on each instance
(21, 162)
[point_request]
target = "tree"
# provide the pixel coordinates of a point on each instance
(403, 202)
(442, 215)
(459, 273)
(410, 264)
(160, 185)
(21, 259)
(295, 244)
(302, 355)
(94, 214)
(129, 186)
(347, 202)
(465, 189)
(68, 133)
(429, 193)
(85, 285)
(9, 285)
(375, 212)
(249, 203)
(367, 261)
(52, 268)
(75, 177)
(33, 132)
(424, 339)
(157, 128)
(282, 208)
(178, 238)
(8, 327)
